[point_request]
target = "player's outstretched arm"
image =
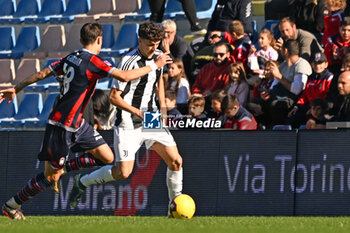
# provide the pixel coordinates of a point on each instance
(10, 93)
(128, 75)
(117, 100)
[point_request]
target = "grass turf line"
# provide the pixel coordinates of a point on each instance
(106, 224)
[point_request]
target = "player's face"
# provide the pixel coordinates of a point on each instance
(287, 30)
(345, 33)
(174, 70)
(148, 47)
(263, 40)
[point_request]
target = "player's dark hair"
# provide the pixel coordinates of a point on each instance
(89, 33)
(229, 102)
(170, 94)
(101, 102)
(151, 31)
(292, 47)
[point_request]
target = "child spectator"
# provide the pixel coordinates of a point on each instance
(317, 86)
(317, 118)
(170, 102)
(178, 81)
(333, 18)
(257, 59)
(104, 111)
(237, 117)
(264, 83)
(216, 99)
(237, 84)
(196, 107)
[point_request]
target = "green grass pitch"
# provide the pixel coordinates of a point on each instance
(131, 224)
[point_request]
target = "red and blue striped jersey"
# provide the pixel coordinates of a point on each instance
(80, 71)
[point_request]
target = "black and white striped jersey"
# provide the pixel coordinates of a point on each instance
(139, 93)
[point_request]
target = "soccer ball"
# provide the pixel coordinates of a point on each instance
(182, 207)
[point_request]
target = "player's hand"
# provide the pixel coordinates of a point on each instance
(139, 113)
(163, 59)
(9, 94)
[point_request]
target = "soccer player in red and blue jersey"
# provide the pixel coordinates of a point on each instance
(66, 129)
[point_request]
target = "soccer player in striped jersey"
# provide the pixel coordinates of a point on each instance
(132, 98)
(66, 129)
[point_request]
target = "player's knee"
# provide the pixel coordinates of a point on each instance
(176, 164)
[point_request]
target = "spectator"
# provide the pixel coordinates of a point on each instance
(308, 15)
(173, 113)
(344, 90)
(317, 86)
(317, 119)
(178, 82)
(216, 99)
(264, 83)
(214, 75)
(308, 44)
(257, 59)
(290, 81)
(176, 45)
(338, 45)
(104, 111)
(196, 108)
(237, 117)
(237, 84)
(157, 8)
(240, 41)
(333, 18)
(228, 10)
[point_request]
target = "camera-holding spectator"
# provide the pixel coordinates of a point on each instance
(338, 45)
(237, 85)
(237, 117)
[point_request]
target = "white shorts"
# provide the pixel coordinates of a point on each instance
(128, 141)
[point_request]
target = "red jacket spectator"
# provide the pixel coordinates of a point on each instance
(332, 24)
(243, 120)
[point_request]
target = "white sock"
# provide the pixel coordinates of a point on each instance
(100, 176)
(174, 183)
(12, 203)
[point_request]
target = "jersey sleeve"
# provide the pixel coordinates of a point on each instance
(57, 67)
(100, 68)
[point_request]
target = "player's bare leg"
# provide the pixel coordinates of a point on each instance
(172, 158)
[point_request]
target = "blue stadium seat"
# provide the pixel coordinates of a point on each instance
(143, 14)
(29, 108)
(272, 25)
(27, 40)
(127, 38)
(8, 110)
(7, 39)
(74, 8)
(41, 120)
(7, 9)
(24, 8)
(204, 9)
(282, 127)
(108, 36)
(49, 8)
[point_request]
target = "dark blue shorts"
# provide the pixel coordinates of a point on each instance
(58, 141)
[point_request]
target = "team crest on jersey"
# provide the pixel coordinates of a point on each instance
(152, 120)
(61, 162)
